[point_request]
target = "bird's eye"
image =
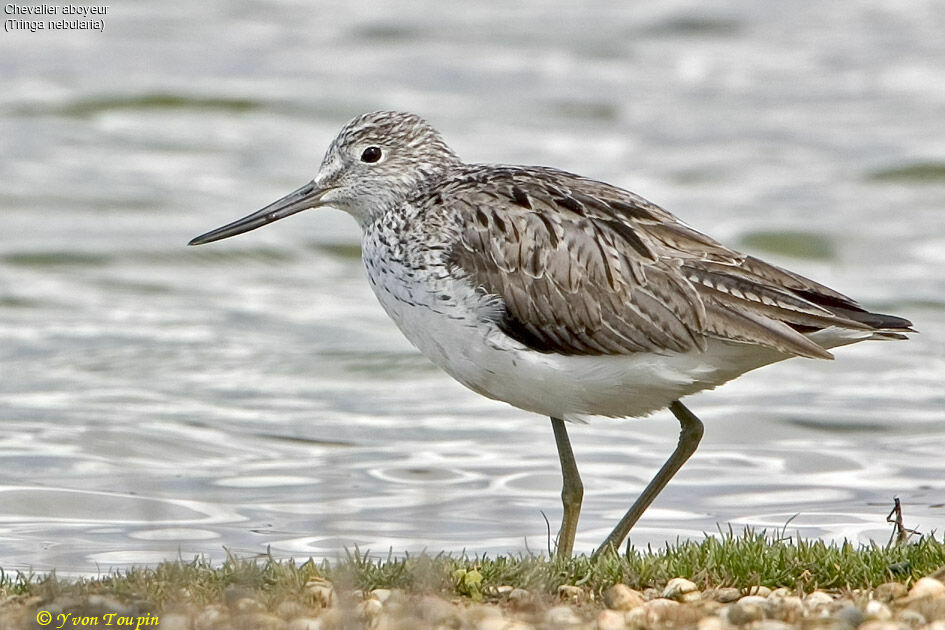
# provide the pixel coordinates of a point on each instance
(371, 155)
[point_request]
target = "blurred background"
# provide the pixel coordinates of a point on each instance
(159, 401)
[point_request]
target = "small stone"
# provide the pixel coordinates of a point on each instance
(935, 625)
(321, 591)
(305, 623)
(727, 595)
(711, 622)
(781, 592)
(622, 597)
(818, 601)
(573, 594)
(912, 618)
(926, 587)
(877, 611)
(747, 609)
(889, 591)
(558, 616)
(662, 613)
(521, 600)
(245, 605)
(681, 590)
(787, 608)
(503, 590)
(772, 624)
(434, 610)
(760, 591)
(208, 618)
(610, 620)
(369, 609)
(381, 594)
(849, 616)
(650, 593)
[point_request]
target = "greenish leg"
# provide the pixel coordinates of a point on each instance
(572, 490)
(690, 435)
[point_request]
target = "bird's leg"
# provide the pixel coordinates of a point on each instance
(572, 490)
(690, 435)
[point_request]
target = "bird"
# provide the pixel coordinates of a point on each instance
(559, 294)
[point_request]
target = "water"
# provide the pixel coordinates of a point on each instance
(159, 401)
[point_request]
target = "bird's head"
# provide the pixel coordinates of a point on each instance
(376, 161)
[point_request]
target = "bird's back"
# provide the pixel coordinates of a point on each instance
(567, 275)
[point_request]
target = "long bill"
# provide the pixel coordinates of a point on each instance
(306, 197)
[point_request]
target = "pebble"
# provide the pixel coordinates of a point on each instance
(911, 618)
(849, 616)
(818, 601)
(503, 591)
(622, 597)
(369, 609)
(789, 608)
(760, 591)
(889, 591)
(321, 591)
(663, 612)
(681, 590)
(305, 623)
(573, 594)
(877, 610)
(747, 609)
(521, 600)
(710, 623)
(209, 617)
(435, 610)
(726, 595)
(609, 619)
(558, 616)
(926, 587)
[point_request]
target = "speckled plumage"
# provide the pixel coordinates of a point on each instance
(557, 293)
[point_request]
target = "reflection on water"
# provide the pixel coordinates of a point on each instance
(161, 401)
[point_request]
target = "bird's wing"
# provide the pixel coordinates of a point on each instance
(585, 268)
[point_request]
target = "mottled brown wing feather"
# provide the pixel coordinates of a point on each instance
(584, 268)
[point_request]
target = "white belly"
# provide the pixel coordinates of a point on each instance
(455, 335)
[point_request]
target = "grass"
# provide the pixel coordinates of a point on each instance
(737, 560)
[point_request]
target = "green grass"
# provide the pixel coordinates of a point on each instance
(742, 561)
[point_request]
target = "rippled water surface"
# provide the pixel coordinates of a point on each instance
(158, 400)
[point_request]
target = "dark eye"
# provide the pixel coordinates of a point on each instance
(371, 155)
